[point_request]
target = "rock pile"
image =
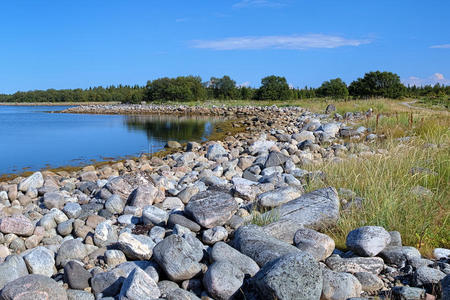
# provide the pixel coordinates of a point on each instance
(180, 227)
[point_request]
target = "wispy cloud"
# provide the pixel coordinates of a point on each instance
(443, 46)
(258, 3)
(293, 42)
(432, 80)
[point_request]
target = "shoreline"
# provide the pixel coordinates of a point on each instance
(264, 175)
(218, 133)
(54, 103)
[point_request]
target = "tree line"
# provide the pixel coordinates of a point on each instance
(191, 88)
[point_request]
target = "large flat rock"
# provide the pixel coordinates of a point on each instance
(315, 210)
(211, 208)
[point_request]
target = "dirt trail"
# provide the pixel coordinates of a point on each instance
(409, 105)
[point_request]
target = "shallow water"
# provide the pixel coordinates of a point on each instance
(31, 138)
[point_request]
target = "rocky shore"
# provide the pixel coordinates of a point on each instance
(225, 219)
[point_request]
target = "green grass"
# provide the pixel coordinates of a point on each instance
(385, 182)
(262, 217)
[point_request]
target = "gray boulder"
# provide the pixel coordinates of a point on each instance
(293, 276)
(352, 265)
(275, 159)
(211, 208)
(71, 250)
(408, 293)
(319, 245)
(118, 185)
(369, 282)
(76, 276)
(104, 234)
(339, 286)
(41, 261)
(79, 295)
(12, 268)
(183, 221)
(54, 200)
(279, 196)
(136, 247)
(114, 204)
(34, 181)
(252, 241)
(139, 285)
(33, 287)
(154, 215)
(315, 210)
(178, 259)
(223, 279)
(399, 255)
(368, 240)
(214, 235)
(143, 196)
(223, 252)
(72, 210)
(107, 284)
(426, 276)
(214, 151)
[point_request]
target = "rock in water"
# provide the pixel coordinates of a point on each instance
(33, 287)
(315, 210)
(177, 258)
(252, 241)
(223, 280)
(293, 276)
(211, 208)
(368, 240)
(139, 285)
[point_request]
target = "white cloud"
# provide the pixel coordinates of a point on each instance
(431, 80)
(443, 46)
(292, 42)
(258, 3)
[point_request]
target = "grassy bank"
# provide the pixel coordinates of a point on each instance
(387, 184)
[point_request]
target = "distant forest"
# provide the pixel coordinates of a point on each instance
(192, 88)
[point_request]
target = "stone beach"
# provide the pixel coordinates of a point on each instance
(182, 226)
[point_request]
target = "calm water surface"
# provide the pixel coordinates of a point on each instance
(30, 137)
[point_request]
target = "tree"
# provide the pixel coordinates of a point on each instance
(378, 84)
(224, 88)
(335, 88)
(183, 88)
(274, 88)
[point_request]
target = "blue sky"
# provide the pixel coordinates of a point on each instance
(71, 44)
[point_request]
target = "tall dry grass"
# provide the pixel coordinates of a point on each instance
(387, 184)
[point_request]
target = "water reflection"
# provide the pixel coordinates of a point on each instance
(179, 128)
